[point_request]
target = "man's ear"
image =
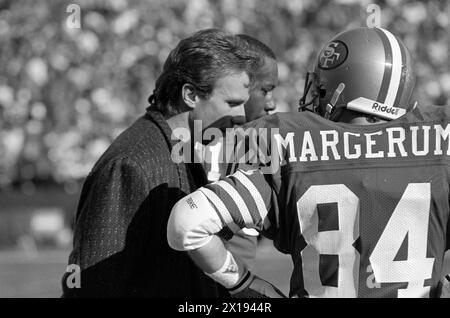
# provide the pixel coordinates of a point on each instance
(189, 95)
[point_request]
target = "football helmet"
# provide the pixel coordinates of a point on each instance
(368, 70)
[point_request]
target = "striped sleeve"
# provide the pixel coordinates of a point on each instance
(243, 199)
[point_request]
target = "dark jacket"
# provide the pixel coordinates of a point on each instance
(120, 239)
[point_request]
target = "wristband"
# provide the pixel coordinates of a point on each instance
(231, 274)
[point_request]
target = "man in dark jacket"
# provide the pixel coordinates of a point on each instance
(120, 229)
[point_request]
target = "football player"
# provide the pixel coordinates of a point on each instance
(360, 199)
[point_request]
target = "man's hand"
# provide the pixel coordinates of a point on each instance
(255, 287)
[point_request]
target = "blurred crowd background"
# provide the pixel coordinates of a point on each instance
(65, 93)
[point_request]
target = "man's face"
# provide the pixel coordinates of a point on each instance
(261, 97)
(224, 107)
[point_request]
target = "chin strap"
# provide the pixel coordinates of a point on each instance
(331, 106)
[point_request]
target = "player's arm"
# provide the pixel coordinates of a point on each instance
(241, 200)
(196, 220)
(243, 244)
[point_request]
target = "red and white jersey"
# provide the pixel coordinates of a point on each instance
(362, 210)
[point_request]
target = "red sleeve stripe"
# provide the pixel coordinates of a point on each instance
(248, 199)
(221, 209)
(242, 209)
(229, 202)
(256, 194)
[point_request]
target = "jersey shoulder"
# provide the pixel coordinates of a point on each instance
(291, 122)
(432, 113)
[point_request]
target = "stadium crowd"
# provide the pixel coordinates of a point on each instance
(66, 93)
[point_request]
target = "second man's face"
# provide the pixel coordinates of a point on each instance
(261, 98)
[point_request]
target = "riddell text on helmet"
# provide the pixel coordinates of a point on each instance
(385, 109)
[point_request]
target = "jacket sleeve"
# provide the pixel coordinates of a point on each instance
(104, 247)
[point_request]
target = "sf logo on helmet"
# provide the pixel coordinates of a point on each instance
(333, 55)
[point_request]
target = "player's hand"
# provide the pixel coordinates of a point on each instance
(445, 292)
(256, 287)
